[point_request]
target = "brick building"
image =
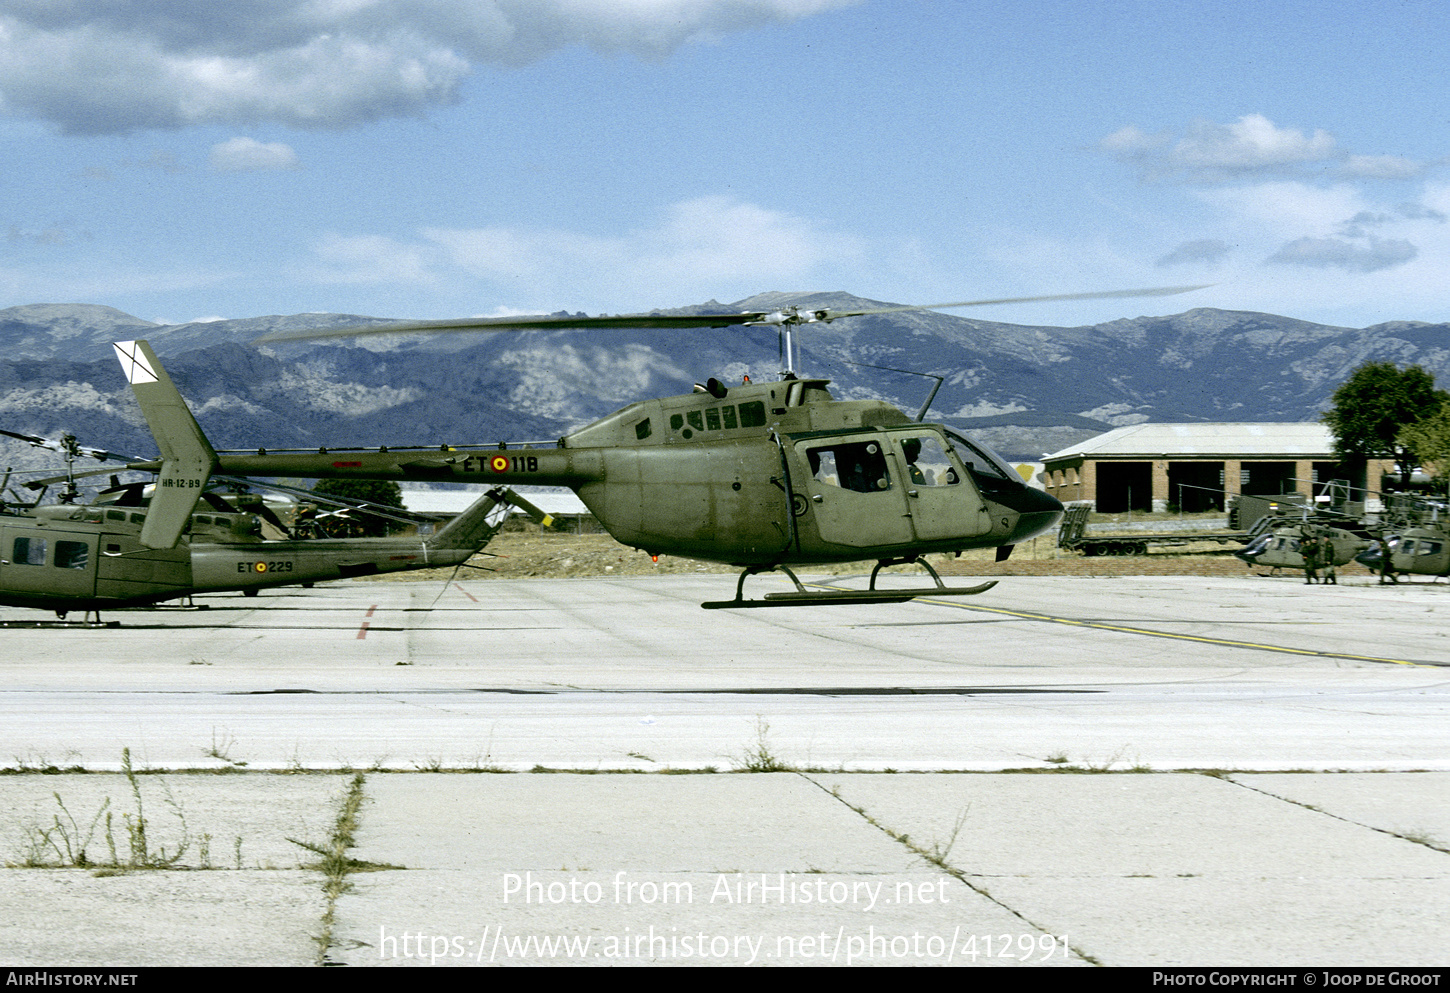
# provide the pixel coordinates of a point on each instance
(1196, 467)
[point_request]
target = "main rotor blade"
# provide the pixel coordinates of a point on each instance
(544, 322)
(36, 484)
(1163, 291)
(58, 445)
(538, 323)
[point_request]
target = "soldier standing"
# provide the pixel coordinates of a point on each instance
(1326, 558)
(1309, 551)
(1387, 568)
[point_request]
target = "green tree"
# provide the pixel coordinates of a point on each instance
(1429, 438)
(1374, 405)
(381, 491)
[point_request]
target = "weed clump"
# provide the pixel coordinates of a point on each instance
(760, 756)
(65, 844)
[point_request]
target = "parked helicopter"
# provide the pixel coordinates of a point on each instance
(67, 557)
(763, 476)
(1423, 550)
(1279, 547)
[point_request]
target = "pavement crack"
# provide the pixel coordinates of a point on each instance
(335, 864)
(1416, 838)
(937, 856)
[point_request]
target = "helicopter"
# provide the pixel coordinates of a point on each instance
(1279, 547)
(104, 555)
(1423, 550)
(762, 476)
(66, 557)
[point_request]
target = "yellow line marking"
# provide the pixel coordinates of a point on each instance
(1100, 626)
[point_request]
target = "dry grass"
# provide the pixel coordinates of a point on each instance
(528, 555)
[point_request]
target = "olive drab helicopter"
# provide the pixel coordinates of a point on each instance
(106, 555)
(763, 476)
(1281, 547)
(1423, 550)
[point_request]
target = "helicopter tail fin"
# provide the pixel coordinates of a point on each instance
(187, 458)
(476, 525)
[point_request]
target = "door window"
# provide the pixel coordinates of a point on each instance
(71, 554)
(859, 466)
(29, 551)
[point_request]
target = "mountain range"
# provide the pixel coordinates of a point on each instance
(1023, 389)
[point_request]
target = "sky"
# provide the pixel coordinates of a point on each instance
(454, 158)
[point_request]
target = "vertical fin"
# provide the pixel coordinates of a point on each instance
(187, 458)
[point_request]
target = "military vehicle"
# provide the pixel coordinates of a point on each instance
(764, 476)
(1280, 546)
(1423, 550)
(69, 557)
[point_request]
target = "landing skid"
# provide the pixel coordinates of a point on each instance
(806, 598)
(91, 619)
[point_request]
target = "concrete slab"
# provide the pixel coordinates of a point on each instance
(1129, 826)
(71, 917)
(234, 821)
(1182, 869)
(1362, 920)
(701, 869)
(228, 888)
(1412, 806)
(842, 868)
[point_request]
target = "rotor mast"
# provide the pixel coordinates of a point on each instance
(787, 319)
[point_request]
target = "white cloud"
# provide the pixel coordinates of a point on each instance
(1201, 250)
(1369, 255)
(1252, 146)
(696, 249)
(359, 259)
(1251, 143)
(1382, 167)
(250, 155)
(110, 68)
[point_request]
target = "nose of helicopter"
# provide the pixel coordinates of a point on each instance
(1250, 553)
(1036, 512)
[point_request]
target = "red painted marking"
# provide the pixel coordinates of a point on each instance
(362, 632)
(347, 465)
(499, 463)
(466, 593)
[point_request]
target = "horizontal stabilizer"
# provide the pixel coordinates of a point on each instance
(476, 525)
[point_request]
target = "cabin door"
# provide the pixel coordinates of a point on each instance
(941, 496)
(44, 561)
(855, 492)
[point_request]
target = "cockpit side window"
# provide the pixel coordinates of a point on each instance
(980, 461)
(927, 463)
(752, 414)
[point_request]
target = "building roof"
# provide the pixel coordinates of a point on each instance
(1235, 441)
